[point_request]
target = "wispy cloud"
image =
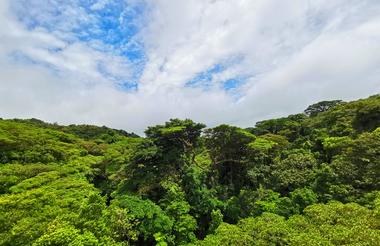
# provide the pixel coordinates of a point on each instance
(129, 64)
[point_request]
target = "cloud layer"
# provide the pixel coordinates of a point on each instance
(130, 64)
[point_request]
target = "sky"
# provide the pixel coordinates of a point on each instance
(129, 64)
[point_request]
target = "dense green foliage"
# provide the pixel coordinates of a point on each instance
(306, 179)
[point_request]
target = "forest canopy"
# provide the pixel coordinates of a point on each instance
(311, 178)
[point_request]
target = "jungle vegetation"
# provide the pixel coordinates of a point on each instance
(311, 178)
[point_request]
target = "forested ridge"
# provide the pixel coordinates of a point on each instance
(307, 179)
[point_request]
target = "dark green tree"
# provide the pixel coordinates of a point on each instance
(320, 107)
(228, 149)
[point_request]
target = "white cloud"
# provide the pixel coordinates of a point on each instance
(293, 52)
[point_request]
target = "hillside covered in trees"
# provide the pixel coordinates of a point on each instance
(307, 179)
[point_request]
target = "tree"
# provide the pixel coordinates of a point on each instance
(289, 127)
(62, 235)
(322, 224)
(177, 208)
(262, 153)
(135, 219)
(166, 151)
(295, 171)
(228, 149)
(303, 197)
(320, 107)
(358, 165)
(367, 117)
(176, 139)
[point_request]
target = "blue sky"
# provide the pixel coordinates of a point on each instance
(133, 63)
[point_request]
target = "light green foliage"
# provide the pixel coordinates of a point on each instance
(142, 218)
(262, 145)
(216, 220)
(177, 208)
(226, 235)
(66, 236)
(331, 224)
(48, 185)
(26, 214)
(172, 130)
(268, 142)
(343, 224)
(25, 143)
(335, 143)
